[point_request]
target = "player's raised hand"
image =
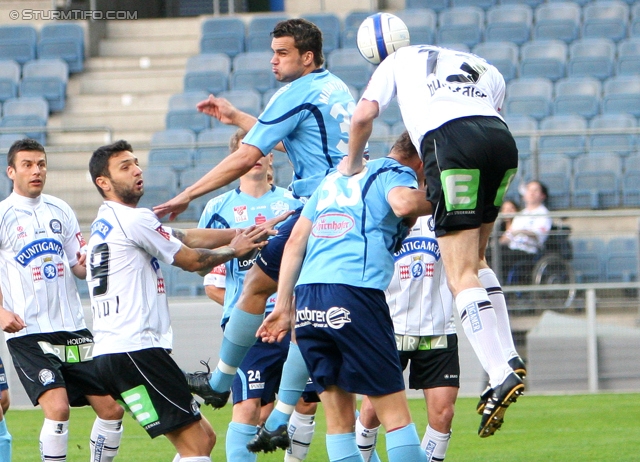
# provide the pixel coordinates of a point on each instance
(220, 108)
(10, 322)
(251, 238)
(173, 207)
(272, 222)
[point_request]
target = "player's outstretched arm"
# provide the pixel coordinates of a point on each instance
(409, 202)
(231, 168)
(361, 126)
(203, 260)
(279, 322)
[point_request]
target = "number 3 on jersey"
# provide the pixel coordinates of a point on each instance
(100, 268)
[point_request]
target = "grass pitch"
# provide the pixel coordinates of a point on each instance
(585, 428)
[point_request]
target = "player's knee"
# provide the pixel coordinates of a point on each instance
(247, 412)
(5, 401)
(110, 410)
(443, 417)
(306, 408)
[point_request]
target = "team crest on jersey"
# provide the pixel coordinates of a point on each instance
(332, 225)
(49, 270)
(240, 213)
(260, 218)
(101, 227)
(22, 234)
(56, 226)
(46, 377)
(163, 233)
(431, 224)
(279, 207)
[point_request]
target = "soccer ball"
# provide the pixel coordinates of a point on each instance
(380, 35)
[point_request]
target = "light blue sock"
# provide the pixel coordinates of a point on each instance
(374, 456)
(404, 444)
(239, 337)
(294, 378)
(5, 441)
(343, 448)
(238, 435)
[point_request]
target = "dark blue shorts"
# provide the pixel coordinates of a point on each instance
(346, 337)
(3, 377)
(270, 257)
(259, 374)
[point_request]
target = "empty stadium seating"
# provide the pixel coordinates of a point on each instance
(588, 260)
(183, 113)
(31, 112)
(350, 67)
(223, 35)
(592, 57)
(543, 58)
(331, 29)
(510, 23)
(18, 43)
(557, 21)
(47, 78)
(577, 95)
(252, 71)
(421, 24)
(596, 181)
(503, 55)
(628, 62)
(9, 79)
(63, 41)
(246, 100)
(460, 25)
(622, 95)
(605, 19)
(208, 72)
(258, 35)
(530, 97)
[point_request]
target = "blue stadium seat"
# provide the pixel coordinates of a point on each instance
(621, 144)
(484, 4)
(64, 41)
(259, 33)
(622, 259)
(47, 78)
(605, 19)
(190, 176)
(379, 141)
(282, 171)
(455, 46)
(183, 113)
(593, 57)
(509, 23)
(557, 21)
(631, 187)
(391, 114)
(160, 185)
(435, 5)
(207, 72)
(213, 145)
(503, 55)
(6, 140)
(628, 62)
(18, 43)
(634, 25)
(248, 101)
(555, 173)
(577, 95)
(421, 24)
(252, 71)
(173, 148)
(222, 35)
(349, 65)
(596, 181)
(531, 3)
(568, 145)
(622, 95)
(588, 259)
(529, 96)
(32, 112)
(9, 79)
(331, 29)
(351, 23)
(461, 25)
(521, 128)
(543, 58)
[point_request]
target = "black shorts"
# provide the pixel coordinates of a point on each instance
(468, 163)
(270, 257)
(151, 386)
(55, 360)
(433, 368)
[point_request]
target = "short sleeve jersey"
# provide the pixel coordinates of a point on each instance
(418, 297)
(39, 239)
(311, 116)
(235, 209)
(435, 85)
(355, 231)
(126, 286)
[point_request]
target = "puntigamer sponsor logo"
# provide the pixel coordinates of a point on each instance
(332, 225)
(38, 248)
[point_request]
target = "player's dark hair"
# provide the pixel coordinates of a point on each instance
(403, 147)
(99, 163)
(234, 141)
(306, 36)
(26, 144)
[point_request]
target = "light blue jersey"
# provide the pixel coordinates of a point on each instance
(311, 116)
(354, 229)
(235, 209)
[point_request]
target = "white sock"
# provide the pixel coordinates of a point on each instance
(196, 459)
(105, 439)
(366, 439)
(176, 458)
(53, 441)
(301, 429)
(491, 284)
(479, 322)
(435, 444)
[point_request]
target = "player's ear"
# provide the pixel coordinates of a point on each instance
(103, 183)
(11, 172)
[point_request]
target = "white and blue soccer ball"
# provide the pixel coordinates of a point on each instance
(380, 35)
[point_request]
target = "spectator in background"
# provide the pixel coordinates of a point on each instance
(524, 239)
